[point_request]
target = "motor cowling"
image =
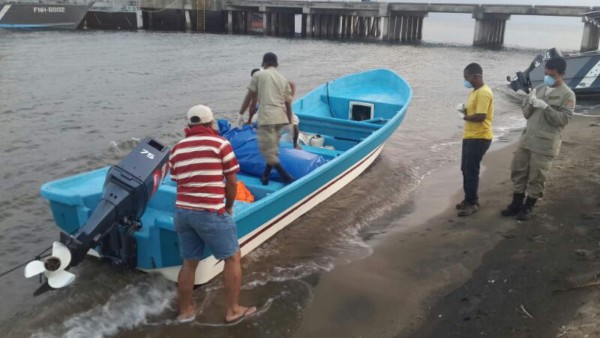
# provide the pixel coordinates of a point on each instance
(128, 188)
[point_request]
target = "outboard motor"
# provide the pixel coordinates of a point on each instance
(128, 188)
(522, 80)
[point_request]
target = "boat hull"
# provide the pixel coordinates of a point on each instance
(582, 74)
(210, 267)
(32, 16)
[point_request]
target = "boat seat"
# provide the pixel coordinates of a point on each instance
(386, 104)
(339, 128)
(325, 152)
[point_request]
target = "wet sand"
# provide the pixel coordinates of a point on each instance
(483, 275)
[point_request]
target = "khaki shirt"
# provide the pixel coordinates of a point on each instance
(272, 91)
(542, 134)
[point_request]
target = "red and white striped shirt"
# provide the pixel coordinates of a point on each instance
(198, 164)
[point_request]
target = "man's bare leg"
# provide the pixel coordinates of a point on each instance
(185, 287)
(232, 278)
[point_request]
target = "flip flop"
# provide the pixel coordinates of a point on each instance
(243, 317)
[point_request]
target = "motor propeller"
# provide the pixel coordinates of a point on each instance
(53, 267)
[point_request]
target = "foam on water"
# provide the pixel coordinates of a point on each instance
(280, 274)
(588, 109)
(122, 148)
(125, 310)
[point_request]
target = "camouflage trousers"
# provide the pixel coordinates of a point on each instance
(268, 141)
(529, 171)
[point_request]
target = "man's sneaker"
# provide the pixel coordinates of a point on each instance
(463, 204)
(469, 209)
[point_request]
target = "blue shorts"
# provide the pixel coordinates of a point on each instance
(199, 228)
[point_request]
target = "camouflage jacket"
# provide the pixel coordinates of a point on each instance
(542, 134)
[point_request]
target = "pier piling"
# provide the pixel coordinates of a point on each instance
(489, 29)
(591, 35)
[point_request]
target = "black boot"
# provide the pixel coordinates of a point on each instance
(285, 177)
(264, 179)
(527, 211)
(515, 206)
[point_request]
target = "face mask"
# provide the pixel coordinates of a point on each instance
(549, 81)
(468, 84)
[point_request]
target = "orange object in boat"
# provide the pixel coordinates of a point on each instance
(243, 194)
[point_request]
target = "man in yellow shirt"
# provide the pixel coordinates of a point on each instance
(477, 136)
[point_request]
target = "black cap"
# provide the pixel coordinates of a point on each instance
(269, 58)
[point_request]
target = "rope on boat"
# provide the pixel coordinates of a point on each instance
(328, 102)
(39, 256)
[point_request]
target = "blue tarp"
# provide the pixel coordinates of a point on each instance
(245, 146)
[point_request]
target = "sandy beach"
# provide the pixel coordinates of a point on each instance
(484, 275)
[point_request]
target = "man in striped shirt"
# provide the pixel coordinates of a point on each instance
(204, 166)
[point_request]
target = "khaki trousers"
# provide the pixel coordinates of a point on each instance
(529, 171)
(268, 141)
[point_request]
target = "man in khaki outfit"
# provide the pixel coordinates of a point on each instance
(548, 109)
(273, 93)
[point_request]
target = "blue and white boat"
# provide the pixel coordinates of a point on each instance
(42, 14)
(354, 115)
(582, 74)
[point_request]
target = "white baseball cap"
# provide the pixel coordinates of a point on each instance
(199, 114)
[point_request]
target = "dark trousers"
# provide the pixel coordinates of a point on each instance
(472, 154)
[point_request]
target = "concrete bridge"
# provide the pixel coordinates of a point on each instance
(396, 22)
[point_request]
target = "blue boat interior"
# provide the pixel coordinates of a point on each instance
(346, 112)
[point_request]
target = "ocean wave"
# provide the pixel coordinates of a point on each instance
(126, 309)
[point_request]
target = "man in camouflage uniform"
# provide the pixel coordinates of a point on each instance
(548, 109)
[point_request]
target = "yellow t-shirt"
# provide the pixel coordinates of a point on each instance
(480, 101)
